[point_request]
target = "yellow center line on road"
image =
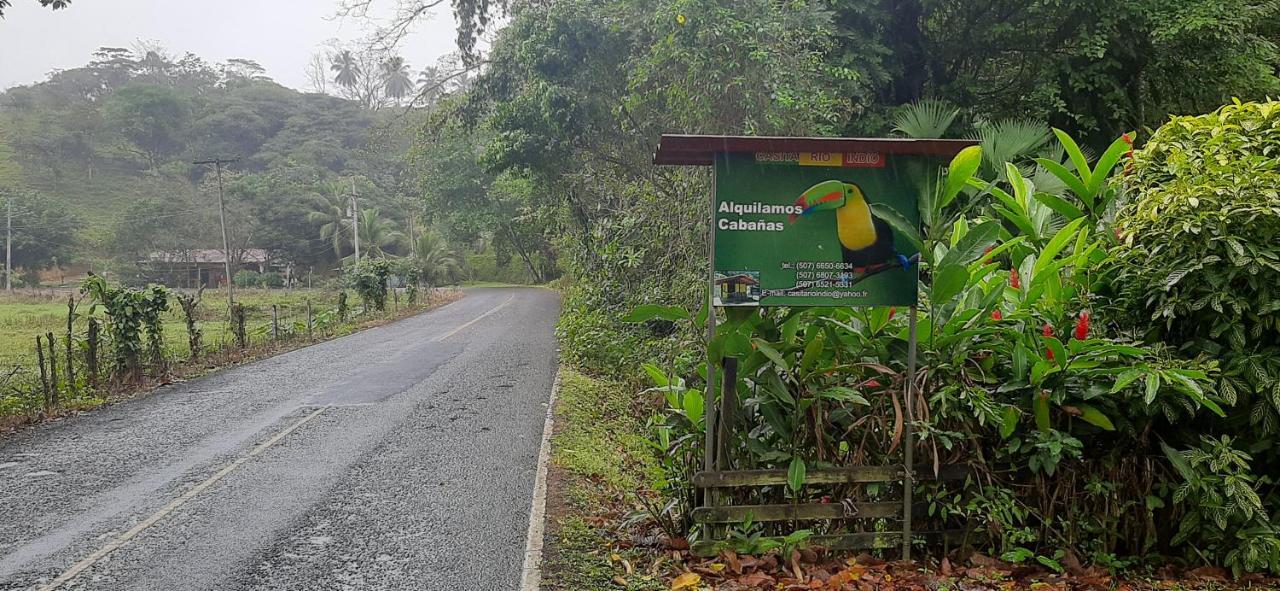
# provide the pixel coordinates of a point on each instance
(173, 505)
(475, 320)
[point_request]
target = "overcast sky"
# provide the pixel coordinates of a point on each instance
(279, 34)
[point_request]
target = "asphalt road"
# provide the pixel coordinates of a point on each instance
(400, 457)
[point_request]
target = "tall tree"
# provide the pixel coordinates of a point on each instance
(397, 82)
(347, 67)
(379, 235)
(152, 119)
(435, 259)
(331, 213)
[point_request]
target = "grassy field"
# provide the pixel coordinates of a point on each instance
(25, 315)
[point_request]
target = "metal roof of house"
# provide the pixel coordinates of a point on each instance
(207, 255)
(700, 150)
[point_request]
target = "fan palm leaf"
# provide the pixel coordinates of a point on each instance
(925, 119)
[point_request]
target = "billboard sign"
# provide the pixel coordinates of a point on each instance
(810, 229)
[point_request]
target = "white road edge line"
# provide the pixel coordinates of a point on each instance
(473, 321)
(173, 505)
(531, 572)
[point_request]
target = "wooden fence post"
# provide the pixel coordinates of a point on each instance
(91, 352)
(237, 325)
(71, 363)
(53, 367)
(44, 376)
(310, 318)
(275, 322)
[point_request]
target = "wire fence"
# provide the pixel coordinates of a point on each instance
(76, 366)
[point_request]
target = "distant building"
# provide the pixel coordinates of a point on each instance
(207, 267)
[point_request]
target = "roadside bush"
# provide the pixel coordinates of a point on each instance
(369, 280)
(247, 278)
(1198, 267)
(270, 280)
(131, 313)
(1200, 243)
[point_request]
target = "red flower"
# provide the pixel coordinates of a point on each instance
(1048, 354)
(873, 383)
(996, 315)
(1047, 330)
(1082, 326)
(892, 312)
(1014, 280)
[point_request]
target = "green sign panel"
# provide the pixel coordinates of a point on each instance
(809, 229)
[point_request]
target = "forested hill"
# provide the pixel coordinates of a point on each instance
(101, 158)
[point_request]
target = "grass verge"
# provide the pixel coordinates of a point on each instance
(599, 463)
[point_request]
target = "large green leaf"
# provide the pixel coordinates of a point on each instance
(773, 355)
(658, 376)
(796, 475)
(1063, 207)
(844, 394)
(1059, 352)
(1056, 244)
(1009, 421)
(1067, 177)
(1041, 405)
(948, 281)
(899, 224)
(971, 245)
(1107, 162)
(1095, 417)
(962, 168)
(1074, 153)
(1178, 462)
(694, 406)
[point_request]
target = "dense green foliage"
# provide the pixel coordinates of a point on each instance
(1198, 267)
(98, 162)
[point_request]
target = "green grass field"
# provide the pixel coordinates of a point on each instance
(25, 315)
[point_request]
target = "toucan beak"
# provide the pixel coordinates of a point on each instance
(822, 196)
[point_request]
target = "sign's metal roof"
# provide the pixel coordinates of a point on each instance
(700, 150)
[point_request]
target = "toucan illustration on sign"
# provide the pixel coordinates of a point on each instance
(865, 240)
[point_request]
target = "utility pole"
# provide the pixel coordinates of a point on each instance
(8, 245)
(355, 217)
(222, 217)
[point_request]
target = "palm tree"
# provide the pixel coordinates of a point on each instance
(347, 66)
(429, 83)
(378, 234)
(396, 82)
(330, 212)
(435, 260)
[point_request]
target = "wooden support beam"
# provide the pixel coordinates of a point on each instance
(809, 511)
(850, 474)
(852, 541)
